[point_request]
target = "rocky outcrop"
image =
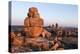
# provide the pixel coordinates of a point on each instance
(34, 37)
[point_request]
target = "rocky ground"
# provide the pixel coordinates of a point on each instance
(20, 43)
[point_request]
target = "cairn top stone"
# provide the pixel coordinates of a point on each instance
(33, 9)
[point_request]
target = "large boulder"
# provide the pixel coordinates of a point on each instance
(33, 24)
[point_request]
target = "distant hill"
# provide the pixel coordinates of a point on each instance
(20, 27)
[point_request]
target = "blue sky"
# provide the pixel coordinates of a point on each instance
(63, 14)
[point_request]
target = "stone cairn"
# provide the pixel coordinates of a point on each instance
(33, 24)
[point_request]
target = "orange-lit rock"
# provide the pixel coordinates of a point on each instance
(33, 24)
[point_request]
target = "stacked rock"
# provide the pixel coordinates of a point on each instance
(33, 24)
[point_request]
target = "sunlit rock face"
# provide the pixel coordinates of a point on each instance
(33, 24)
